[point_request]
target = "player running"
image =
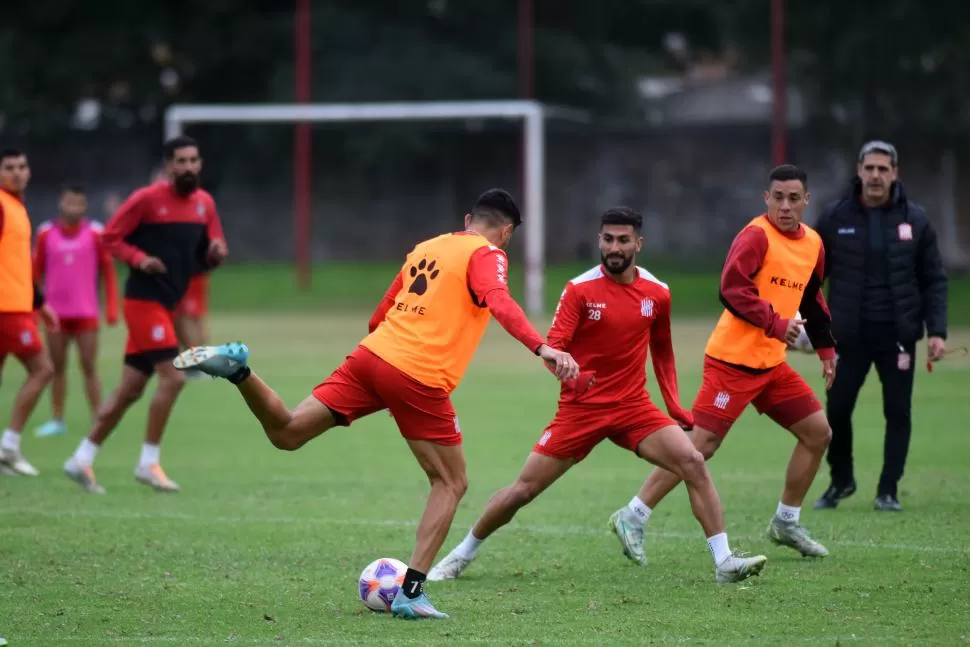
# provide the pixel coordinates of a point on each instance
(160, 231)
(423, 335)
(607, 319)
(70, 260)
(19, 297)
(773, 269)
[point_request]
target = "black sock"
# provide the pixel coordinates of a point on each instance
(240, 375)
(413, 584)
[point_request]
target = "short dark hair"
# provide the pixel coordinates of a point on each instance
(496, 207)
(622, 216)
(11, 152)
(73, 187)
(174, 144)
(787, 172)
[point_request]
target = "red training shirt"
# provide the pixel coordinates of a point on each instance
(608, 327)
(177, 229)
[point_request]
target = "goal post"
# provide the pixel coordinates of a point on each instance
(532, 113)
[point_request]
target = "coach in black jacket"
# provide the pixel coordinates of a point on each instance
(886, 283)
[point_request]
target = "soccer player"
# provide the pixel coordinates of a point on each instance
(19, 297)
(607, 319)
(160, 231)
(423, 335)
(70, 260)
(773, 269)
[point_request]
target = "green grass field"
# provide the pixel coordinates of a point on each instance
(264, 548)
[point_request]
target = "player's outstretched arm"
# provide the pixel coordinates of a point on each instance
(386, 303)
(739, 294)
(664, 364)
(487, 272)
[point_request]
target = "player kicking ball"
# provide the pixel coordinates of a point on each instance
(422, 338)
(774, 269)
(607, 319)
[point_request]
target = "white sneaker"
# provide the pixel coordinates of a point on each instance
(629, 530)
(15, 461)
(449, 568)
(154, 476)
(736, 568)
(83, 475)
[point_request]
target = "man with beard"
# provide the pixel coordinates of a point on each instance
(164, 232)
(772, 271)
(887, 286)
(607, 319)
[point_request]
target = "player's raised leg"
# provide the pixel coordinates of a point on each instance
(57, 343)
(671, 449)
(287, 430)
(87, 347)
(539, 472)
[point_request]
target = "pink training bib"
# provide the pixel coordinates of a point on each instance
(71, 272)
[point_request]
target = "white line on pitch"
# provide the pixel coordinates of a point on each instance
(325, 521)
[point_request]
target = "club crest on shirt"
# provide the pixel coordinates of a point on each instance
(646, 308)
(200, 209)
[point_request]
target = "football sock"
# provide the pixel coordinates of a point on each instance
(719, 547)
(150, 455)
(10, 440)
(240, 375)
(788, 513)
(469, 546)
(86, 452)
(639, 508)
(413, 583)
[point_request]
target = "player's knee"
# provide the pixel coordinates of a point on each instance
(706, 443)
(458, 485)
(523, 492)
(130, 392)
(819, 437)
(693, 468)
(87, 370)
(42, 370)
(283, 440)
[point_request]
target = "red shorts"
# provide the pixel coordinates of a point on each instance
(577, 429)
(19, 335)
(77, 325)
(195, 303)
(781, 393)
(151, 334)
(365, 384)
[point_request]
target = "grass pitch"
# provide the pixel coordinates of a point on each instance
(264, 547)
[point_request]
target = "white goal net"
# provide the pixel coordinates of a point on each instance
(531, 113)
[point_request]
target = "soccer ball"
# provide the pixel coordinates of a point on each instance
(802, 344)
(380, 582)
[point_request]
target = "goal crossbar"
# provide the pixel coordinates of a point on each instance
(531, 113)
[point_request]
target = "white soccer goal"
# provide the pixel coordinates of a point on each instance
(532, 113)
